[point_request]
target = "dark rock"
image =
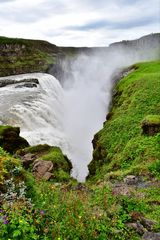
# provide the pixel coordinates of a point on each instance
(151, 125)
(131, 180)
(10, 140)
(41, 167)
(137, 227)
(28, 85)
(28, 159)
(151, 236)
(27, 82)
(147, 223)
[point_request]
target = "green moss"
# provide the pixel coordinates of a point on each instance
(59, 160)
(22, 56)
(152, 120)
(10, 139)
(61, 164)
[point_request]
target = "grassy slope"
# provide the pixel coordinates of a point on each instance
(22, 56)
(120, 144)
(93, 211)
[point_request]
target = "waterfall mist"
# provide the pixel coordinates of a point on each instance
(67, 115)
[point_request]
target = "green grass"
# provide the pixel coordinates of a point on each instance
(152, 120)
(66, 210)
(120, 144)
(61, 164)
(23, 56)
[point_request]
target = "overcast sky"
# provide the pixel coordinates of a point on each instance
(79, 22)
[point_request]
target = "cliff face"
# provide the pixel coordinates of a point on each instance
(22, 56)
(19, 56)
(129, 140)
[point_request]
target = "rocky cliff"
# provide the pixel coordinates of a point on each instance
(19, 56)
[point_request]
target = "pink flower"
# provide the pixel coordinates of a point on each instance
(42, 212)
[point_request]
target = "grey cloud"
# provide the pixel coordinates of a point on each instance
(33, 14)
(101, 4)
(94, 25)
(4, 1)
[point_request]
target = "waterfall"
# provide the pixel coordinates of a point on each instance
(67, 114)
(38, 111)
(66, 117)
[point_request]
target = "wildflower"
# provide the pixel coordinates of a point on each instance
(41, 212)
(5, 222)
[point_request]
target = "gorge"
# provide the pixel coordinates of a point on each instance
(80, 140)
(68, 113)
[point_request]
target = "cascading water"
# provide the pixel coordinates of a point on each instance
(69, 115)
(38, 111)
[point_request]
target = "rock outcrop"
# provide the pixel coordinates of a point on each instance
(42, 169)
(24, 82)
(10, 140)
(46, 162)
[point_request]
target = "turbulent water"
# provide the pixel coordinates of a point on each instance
(66, 115)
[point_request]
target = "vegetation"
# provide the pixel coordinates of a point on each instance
(105, 206)
(10, 139)
(61, 164)
(23, 56)
(121, 147)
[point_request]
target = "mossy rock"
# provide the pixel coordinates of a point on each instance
(151, 125)
(10, 140)
(49, 153)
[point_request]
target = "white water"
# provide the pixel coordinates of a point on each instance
(38, 112)
(67, 116)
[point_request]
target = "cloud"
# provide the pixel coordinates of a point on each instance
(114, 25)
(4, 1)
(80, 22)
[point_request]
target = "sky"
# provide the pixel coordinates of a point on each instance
(79, 22)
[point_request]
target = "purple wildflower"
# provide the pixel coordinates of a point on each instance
(41, 212)
(5, 222)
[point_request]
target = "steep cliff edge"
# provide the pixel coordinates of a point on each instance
(19, 56)
(129, 142)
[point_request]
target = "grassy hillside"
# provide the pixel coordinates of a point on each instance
(108, 206)
(121, 146)
(22, 56)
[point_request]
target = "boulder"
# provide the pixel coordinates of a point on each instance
(42, 168)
